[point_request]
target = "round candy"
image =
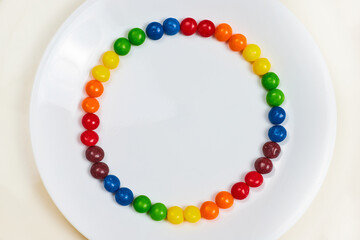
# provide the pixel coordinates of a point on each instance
(136, 36)
(99, 170)
(275, 97)
(224, 199)
(188, 26)
(111, 183)
(124, 196)
(154, 31)
(253, 179)
(171, 26)
(237, 42)
(240, 190)
(175, 215)
(94, 154)
(263, 165)
(142, 204)
(122, 46)
(89, 138)
(277, 133)
(94, 88)
(192, 214)
(270, 81)
(271, 150)
(206, 28)
(209, 210)
(158, 212)
(90, 105)
(90, 121)
(251, 52)
(277, 115)
(110, 59)
(223, 32)
(261, 66)
(101, 73)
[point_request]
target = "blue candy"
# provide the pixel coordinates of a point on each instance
(124, 196)
(277, 133)
(277, 115)
(154, 31)
(171, 26)
(111, 183)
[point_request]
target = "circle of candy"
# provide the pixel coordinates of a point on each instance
(224, 199)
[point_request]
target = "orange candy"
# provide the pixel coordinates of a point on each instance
(223, 32)
(237, 42)
(90, 105)
(224, 199)
(94, 88)
(209, 210)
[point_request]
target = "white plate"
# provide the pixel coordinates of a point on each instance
(182, 118)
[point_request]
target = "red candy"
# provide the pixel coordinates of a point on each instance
(206, 28)
(188, 26)
(90, 121)
(99, 170)
(240, 190)
(94, 154)
(271, 150)
(263, 165)
(253, 179)
(89, 138)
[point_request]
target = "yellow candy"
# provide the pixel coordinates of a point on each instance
(175, 215)
(110, 59)
(251, 52)
(101, 73)
(261, 66)
(192, 214)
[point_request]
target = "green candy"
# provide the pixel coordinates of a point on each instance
(122, 46)
(158, 212)
(275, 97)
(270, 81)
(142, 204)
(136, 36)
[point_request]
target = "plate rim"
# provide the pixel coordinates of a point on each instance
(76, 13)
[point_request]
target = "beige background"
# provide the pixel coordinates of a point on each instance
(26, 210)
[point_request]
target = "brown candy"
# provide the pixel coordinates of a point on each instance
(271, 150)
(94, 154)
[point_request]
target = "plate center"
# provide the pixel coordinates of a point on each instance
(182, 116)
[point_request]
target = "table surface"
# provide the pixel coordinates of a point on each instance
(26, 210)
